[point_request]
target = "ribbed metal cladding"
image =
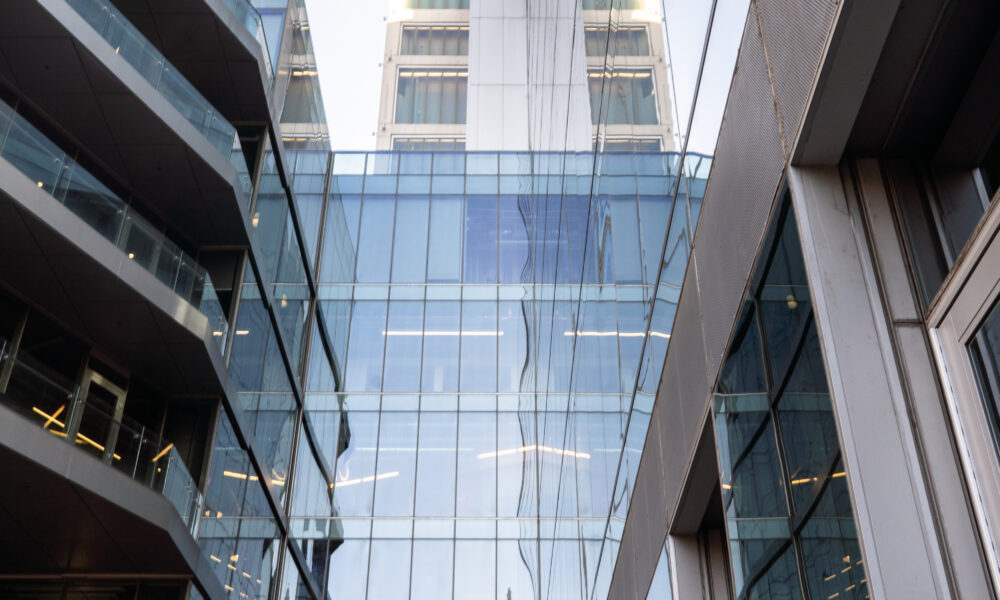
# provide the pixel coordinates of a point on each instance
(748, 164)
(795, 34)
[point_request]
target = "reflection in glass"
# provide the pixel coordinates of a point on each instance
(788, 512)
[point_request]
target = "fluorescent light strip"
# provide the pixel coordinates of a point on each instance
(525, 449)
(613, 333)
(243, 476)
(406, 333)
(368, 479)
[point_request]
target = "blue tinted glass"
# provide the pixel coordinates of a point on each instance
(397, 454)
(480, 239)
(403, 345)
(435, 492)
(440, 349)
(363, 371)
(477, 465)
(479, 346)
(410, 249)
(513, 268)
(375, 243)
(354, 487)
(444, 255)
(625, 229)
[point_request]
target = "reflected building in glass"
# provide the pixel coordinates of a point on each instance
(492, 75)
(636, 300)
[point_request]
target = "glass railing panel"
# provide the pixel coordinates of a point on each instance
(253, 22)
(131, 45)
(93, 202)
(59, 407)
(54, 171)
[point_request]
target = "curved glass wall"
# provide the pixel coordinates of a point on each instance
(784, 491)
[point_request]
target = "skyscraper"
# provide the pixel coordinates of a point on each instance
(636, 300)
(482, 75)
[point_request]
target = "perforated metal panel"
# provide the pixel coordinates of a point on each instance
(746, 173)
(741, 189)
(795, 34)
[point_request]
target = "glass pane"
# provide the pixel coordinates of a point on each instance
(353, 489)
(444, 260)
(375, 243)
(432, 566)
(435, 496)
(397, 453)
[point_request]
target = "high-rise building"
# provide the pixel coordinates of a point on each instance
(637, 299)
(495, 75)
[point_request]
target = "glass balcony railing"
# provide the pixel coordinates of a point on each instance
(58, 174)
(61, 407)
(131, 45)
(252, 20)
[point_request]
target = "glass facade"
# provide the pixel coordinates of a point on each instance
(489, 315)
(431, 95)
(627, 97)
(435, 40)
(464, 4)
(629, 40)
(788, 511)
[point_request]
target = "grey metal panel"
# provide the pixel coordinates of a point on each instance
(741, 188)
(795, 34)
(623, 580)
(649, 505)
(900, 549)
(684, 390)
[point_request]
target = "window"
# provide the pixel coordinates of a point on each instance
(435, 40)
(431, 96)
(629, 145)
(784, 487)
(425, 144)
(627, 40)
(463, 4)
(628, 97)
(606, 4)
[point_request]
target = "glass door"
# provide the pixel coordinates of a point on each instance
(964, 325)
(98, 416)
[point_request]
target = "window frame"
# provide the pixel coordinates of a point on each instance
(960, 308)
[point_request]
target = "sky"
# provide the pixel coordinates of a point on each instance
(349, 40)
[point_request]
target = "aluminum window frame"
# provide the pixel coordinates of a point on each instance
(962, 305)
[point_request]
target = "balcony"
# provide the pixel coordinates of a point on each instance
(67, 182)
(219, 45)
(61, 408)
(73, 514)
(85, 67)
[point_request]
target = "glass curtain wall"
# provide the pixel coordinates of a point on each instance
(788, 510)
(490, 315)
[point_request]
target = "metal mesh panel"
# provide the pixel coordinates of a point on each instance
(623, 581)
(649, 505)
(795, 34)
(741, 189)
